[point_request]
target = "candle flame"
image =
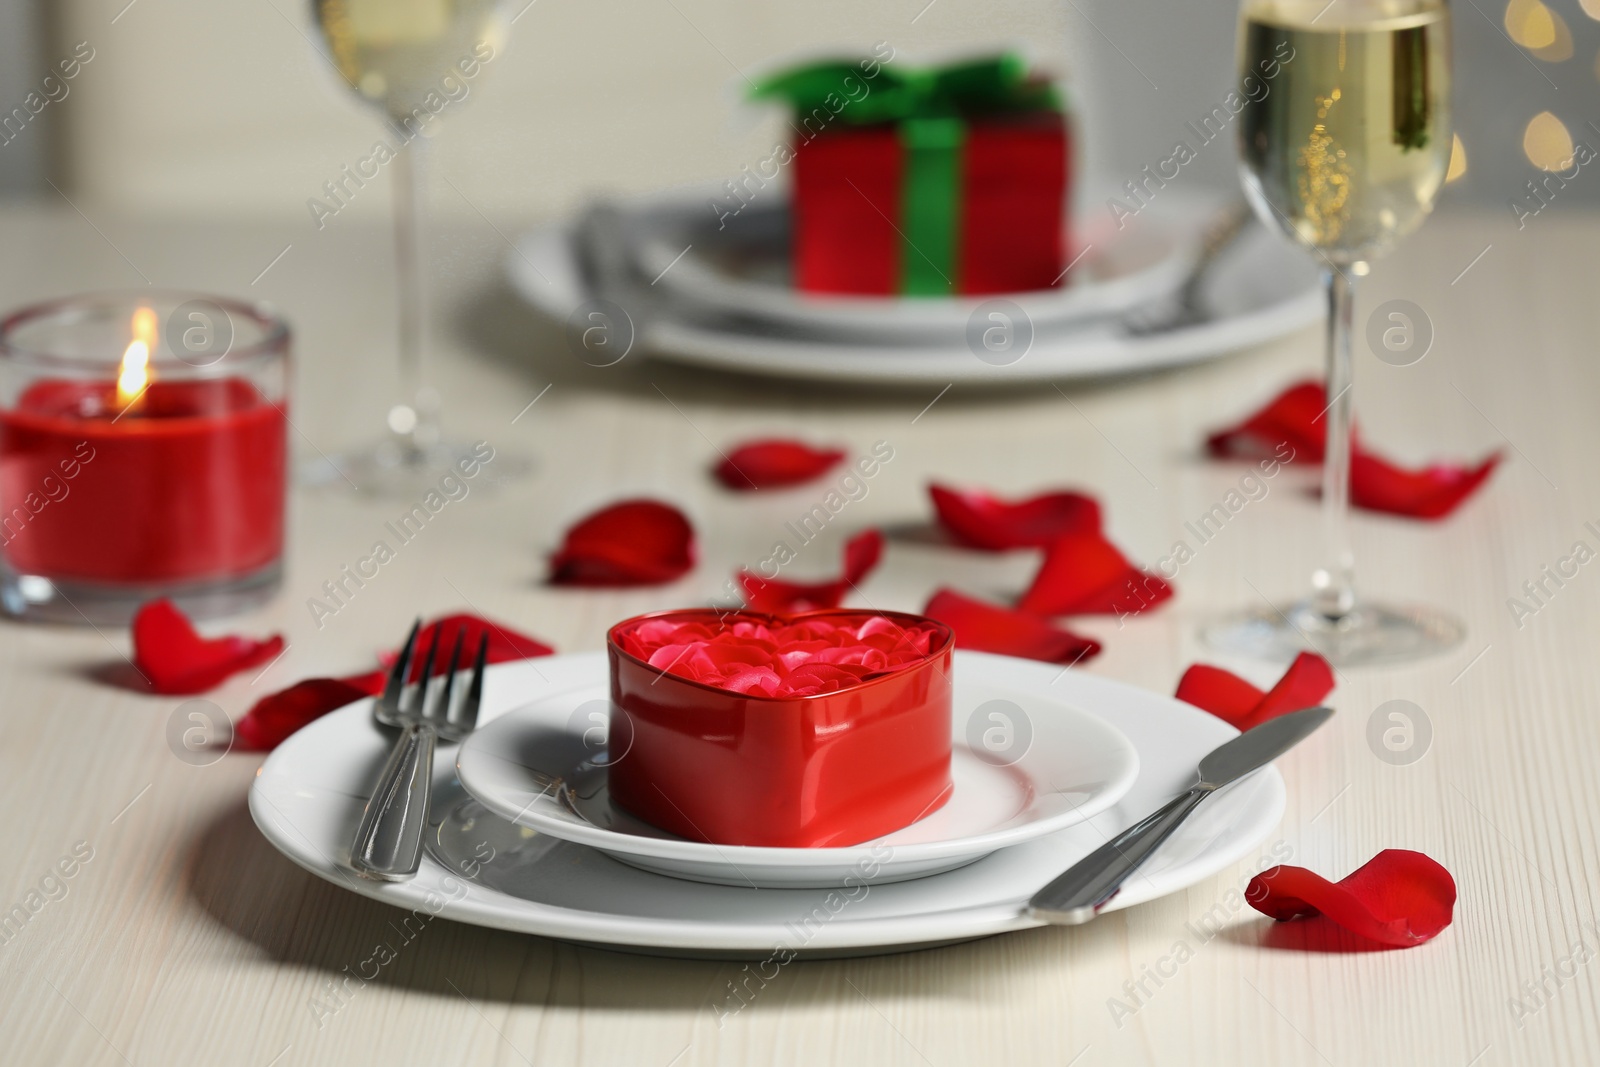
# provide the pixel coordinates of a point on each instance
(134, 377)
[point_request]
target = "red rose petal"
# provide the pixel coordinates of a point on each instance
(1084, 574)
(979, 520)
(861, 555)
(775, 463)
(991, 628)
(1398, 897)
(176, 659)
(273, 718)
(1293, 423)
(1430, 493)
(280, 714)
(505, 644)
(1241, 705)
(1306, 683)
(1222, 693)
(1290, 423)
(763, 656)
(634, 542)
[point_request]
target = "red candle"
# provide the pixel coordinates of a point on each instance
(143, 453)
(184, 484)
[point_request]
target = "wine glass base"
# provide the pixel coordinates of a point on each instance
(1371, 634)
(397, 467)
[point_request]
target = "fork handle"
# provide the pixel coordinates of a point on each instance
(388, 843)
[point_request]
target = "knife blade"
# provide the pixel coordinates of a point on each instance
(1078, 894)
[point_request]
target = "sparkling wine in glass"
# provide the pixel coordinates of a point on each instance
(417, 60)
(1345, 154)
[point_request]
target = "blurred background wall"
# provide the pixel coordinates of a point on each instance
(198, 108)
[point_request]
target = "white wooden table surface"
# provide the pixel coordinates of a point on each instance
(187, 939)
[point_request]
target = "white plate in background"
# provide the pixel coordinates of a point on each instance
(742, 271)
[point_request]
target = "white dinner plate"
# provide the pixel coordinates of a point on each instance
(1047, 767)
(307, 799)
(740, 268)
(1260, 288)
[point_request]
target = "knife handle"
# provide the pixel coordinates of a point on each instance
(1088, 885)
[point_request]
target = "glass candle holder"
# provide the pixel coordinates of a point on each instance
(143, 454)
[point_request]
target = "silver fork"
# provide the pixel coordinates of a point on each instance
(388, 842)
(1183, 307)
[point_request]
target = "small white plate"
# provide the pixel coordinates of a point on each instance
(1260, 289)
(308, 795)
(1053, 767)
(742, 270)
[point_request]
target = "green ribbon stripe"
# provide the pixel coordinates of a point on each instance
(930, 199)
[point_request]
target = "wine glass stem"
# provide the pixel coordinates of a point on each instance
(1334, 584)
(408, 193)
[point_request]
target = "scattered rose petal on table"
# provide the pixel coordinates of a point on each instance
(176, 659)
(990, 628)
(774, 463)
(780, 658)
(1241, 705)
(1398, 897)
(1085, 574)
(1430, 493)
(1290, 423)
(861, 555)
(1291, 429)
(276, 716)
(505, 644)
(632, 542)
(979, 520)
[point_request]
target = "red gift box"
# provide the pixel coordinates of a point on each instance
(926, 182)
(1010, 234)
(823, 755)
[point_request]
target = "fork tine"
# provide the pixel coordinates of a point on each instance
(395, 687)
(427, 674)
(443, 712)
(469, 706)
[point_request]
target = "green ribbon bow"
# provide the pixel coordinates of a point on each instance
(931, 107)
(990, 86)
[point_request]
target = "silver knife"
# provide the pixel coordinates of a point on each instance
(1078, 895)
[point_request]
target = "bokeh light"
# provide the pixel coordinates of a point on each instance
(1458, 161)
(1539, 29)
(1531, 24)
(1546, 142)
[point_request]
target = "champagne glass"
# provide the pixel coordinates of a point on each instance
(1344, 153)
(418, 60)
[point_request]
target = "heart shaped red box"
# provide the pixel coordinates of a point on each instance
(821, 748)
